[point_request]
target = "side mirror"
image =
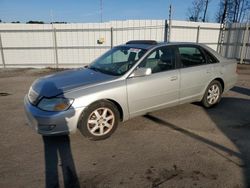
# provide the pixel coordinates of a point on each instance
(141, 72)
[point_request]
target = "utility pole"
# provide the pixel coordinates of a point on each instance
(223, 26)
(170, 23)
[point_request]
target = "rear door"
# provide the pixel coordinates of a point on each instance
(160, 89)
(195, 72)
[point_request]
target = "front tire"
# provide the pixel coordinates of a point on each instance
(99, 120)
(212, 95)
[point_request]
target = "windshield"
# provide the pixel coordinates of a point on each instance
(118, 60)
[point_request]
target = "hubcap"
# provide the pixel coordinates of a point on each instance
(213, 94)
(101, 121)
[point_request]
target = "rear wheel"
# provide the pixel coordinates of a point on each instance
(212, 95)
(99, 120)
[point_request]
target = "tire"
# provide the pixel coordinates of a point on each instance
(99, 120)
(212, 95)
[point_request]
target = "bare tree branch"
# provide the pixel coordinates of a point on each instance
(233, 11)
(195, 11)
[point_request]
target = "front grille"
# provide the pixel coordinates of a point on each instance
(33, 96)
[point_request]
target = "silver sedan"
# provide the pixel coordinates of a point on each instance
(127, 81)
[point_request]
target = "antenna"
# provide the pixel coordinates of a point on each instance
(101, 10)
(51, 16)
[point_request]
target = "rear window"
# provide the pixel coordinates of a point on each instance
(210, 57)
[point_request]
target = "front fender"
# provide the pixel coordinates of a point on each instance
(115, 91)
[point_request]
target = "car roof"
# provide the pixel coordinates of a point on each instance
(148, 44)
(142, 46)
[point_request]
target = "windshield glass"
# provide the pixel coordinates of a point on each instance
(118, 60)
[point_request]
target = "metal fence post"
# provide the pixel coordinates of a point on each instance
(245, 41)
(236, 43)
(169, 30)
(55, 46)
(111, 37)
(198, 34)
(228, 42)
(1, 48)
(166, 31)
(218, 49)
(221, 38)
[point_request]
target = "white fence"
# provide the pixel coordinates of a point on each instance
(206, 33)
(73, 45)
(237, 42)
(64, 45)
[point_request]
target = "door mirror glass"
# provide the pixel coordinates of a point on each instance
(141, 72)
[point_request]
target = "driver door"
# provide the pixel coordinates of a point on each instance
(157, 90)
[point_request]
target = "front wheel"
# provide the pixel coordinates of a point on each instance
(99, 120)
(212, 95)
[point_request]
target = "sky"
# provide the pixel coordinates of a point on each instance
(82, 11)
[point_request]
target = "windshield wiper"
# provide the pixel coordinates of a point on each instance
(103, 71)
(94, 69)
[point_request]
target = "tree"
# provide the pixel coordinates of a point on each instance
(195, 11)
(58, 22)
(35, 22)
(205, 11)
(198, 10)
(233, 11)
(223, 9)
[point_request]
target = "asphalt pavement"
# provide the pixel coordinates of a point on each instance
(182, 146)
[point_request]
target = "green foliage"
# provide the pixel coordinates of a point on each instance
(35, 22)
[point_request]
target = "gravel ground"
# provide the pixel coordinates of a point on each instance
(182, 146)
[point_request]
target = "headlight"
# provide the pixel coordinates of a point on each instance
(55, 104)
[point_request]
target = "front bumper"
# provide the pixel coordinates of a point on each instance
(52, 123)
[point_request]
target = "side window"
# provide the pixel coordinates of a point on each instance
(161, 59)
(210, 57)
(191, 56)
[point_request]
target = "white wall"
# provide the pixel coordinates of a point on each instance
(184, 31)
(1, 63)
(33, 45)
(137, 30)
(234, 36)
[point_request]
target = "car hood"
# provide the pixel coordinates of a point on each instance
(59, 83)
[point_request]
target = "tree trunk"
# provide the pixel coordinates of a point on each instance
(205, 11)
(241, 8)
(224, 12)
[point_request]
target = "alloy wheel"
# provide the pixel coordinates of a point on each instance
(101, 121)
(213, 94)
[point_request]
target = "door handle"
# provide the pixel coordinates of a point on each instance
(173, 78)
